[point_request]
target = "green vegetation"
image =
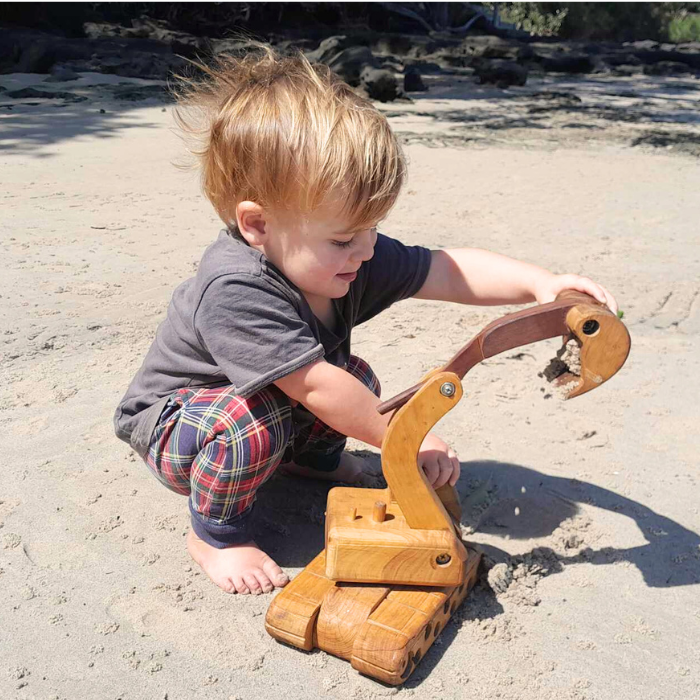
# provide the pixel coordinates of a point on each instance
(615, 21)
(532, 17)
(684, 27)
(596, 21)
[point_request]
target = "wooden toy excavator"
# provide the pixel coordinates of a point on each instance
(395, 568)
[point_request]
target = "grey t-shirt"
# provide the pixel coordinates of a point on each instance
(240, 321)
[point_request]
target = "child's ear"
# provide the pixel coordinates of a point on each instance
(251, 222)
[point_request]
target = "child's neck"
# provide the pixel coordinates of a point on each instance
(323, 310)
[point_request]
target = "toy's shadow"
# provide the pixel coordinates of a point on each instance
(497, 499)
(500, 499)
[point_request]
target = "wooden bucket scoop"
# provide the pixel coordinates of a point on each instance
(395, 568)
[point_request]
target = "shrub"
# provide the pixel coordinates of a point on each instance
(684, 27)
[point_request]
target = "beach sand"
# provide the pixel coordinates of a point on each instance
(588, 510)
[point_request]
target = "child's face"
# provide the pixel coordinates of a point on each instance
(319, 252)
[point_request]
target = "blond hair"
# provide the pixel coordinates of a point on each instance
(284, 133)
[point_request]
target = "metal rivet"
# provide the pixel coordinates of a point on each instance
(443, 559)
(447, 389)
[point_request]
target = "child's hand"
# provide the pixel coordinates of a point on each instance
(549, 289)
(439, 461)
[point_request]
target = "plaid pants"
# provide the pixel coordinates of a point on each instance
(218, 449)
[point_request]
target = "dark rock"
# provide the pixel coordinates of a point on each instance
(423, 50)
(414, 45)
(329, 48)
(553, 101)
(20, 54)
(557, 96)
(667, 68)
(390, 63)
(292, 45)
(36, 52)
(343, 57)
(231, 47)
(136, 93)
(61, 74)
(569, 63)
(621, 59)
(501, 73)
(30, 92)
(646, 45)
(690, 58)
(625, 70)
(412, 81)
(452, 60)
(496, 47)
(141, 64)
(525, 53)
(99, 30)
(397, 44)
(422, 66)
(350, 62)
(146, 28)
(379, 84)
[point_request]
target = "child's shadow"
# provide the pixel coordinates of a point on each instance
(291, 513)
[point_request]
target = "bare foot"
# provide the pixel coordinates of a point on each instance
(242, 568)
(351, 470)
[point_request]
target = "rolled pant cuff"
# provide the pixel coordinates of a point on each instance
(221, 535)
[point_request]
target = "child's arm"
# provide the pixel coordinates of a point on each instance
(338, 399)
(474, 276)
(348, 406)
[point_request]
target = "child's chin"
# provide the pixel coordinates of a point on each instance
(339, 289)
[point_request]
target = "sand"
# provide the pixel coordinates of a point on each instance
(587, 510)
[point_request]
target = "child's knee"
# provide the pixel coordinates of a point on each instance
(222, 442)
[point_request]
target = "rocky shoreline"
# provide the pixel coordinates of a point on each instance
(484, 89)
(387, 66)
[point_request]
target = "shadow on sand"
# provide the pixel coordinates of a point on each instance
(291, 517)
(50, 113)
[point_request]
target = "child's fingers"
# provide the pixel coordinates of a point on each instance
(610, 299)
(597, 291)
(456, 467)
(432, 471)
(445, 471)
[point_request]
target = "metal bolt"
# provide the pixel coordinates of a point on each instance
(443, 559)
(447, 389)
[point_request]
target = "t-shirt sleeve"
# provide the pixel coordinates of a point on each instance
(394, 272)
(253, 332)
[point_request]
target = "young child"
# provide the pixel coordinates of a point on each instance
(251, 369)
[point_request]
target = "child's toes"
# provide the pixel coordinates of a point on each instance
(240, 586)
(264, 581)
(226, 585)
(276, 576)
(251, 581)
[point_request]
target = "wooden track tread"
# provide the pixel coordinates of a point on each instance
(384, 631)
(401, 630)
(292, 615)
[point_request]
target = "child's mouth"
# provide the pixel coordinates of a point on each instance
(348, 276)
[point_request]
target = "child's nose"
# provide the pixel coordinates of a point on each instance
(367, 241)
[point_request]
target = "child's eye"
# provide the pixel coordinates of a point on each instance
(342, 244)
